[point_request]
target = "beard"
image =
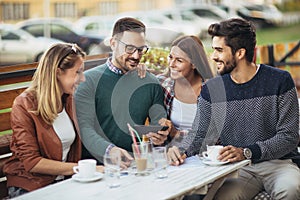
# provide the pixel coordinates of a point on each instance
(228, 66)
(127, 64)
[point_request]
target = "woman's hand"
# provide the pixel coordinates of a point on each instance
(158, 138)
(175, 156)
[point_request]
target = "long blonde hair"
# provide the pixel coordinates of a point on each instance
(45, 85)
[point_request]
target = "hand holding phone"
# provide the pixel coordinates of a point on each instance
(143, 129)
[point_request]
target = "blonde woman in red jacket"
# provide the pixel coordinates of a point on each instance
(45, 141)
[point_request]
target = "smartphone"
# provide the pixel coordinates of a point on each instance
(143, 129)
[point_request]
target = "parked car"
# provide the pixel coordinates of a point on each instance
(261, 15)
(195, 25)
(60, 29)
(207, 11)
(95, 25)
(161, 31)
(18, 46)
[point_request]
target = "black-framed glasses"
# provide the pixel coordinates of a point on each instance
(130, 49)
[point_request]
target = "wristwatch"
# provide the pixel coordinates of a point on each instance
(247, 153)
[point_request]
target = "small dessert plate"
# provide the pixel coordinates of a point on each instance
(96, 177)
(214, 163)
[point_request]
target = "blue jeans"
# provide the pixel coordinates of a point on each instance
(16, 191)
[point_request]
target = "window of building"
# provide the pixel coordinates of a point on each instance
(68, 10)
(108, 7)
(181, 2)
(147, 5)
(14, 11)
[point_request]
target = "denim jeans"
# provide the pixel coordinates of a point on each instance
(16, 191)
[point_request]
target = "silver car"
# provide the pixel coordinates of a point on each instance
(18, 46)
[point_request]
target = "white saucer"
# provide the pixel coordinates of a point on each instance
(214, 163)
(96, 177)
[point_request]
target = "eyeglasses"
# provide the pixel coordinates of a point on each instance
(130, 49)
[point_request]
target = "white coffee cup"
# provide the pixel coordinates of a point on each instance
(212, 152)
(86, 168)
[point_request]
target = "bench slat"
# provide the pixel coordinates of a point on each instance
(2, 162)
(5, 122)
(4, 143)
(13, 80)
(7, 97)
(12, 68)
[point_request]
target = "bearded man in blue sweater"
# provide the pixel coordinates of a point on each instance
(252, 110)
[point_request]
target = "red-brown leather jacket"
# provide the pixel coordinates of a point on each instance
(33, 140)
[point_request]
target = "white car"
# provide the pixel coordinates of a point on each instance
(160, 30)
(60, 29)
(190, 23)
(207, 11)
(95, 25)
(18, 46)
(261, 15)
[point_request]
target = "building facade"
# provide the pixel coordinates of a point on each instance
(18, 10)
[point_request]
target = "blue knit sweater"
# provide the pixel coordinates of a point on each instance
(261, 114)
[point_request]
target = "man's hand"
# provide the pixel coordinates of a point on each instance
(126, 158)
(175, 156)
(231, 154)
(100, 168)
(141, 70)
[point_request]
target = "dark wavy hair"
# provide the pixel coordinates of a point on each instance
(238, 34)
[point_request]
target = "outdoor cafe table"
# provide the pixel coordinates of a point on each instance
(189, 178)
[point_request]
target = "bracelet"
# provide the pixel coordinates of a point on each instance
(109, 148)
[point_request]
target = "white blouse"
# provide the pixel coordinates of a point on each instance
(183, 114)
(64, 129)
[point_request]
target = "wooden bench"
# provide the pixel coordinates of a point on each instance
(13, 81)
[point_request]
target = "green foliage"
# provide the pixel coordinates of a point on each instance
(291, 5)
(5, 132)
(156, 60)
(273, 35)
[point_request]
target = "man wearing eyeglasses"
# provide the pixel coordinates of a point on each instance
(114, 95)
